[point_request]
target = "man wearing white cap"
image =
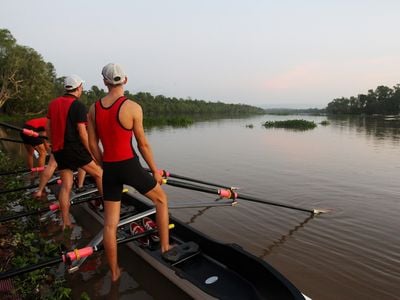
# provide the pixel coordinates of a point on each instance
(116, 120)
(66, 128)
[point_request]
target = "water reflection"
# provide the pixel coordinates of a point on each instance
(285, 237)
(7, 143)
(378, 127)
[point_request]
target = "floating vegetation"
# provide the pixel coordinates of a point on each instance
(249, 125)
(324, 123)
(22, 244)
(291, 124)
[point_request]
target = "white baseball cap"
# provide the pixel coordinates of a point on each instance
(72, 82)
(113, 74)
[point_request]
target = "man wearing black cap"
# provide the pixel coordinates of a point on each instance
(66, 128)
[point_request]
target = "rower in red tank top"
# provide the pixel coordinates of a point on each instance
(116, 139)
(109, 122)
(37, 144)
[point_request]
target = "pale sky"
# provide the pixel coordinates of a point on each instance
(283, 53)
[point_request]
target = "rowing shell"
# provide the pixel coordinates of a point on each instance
(203, 268)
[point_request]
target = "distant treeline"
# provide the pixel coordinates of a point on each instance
(290, 111)
(383, 100)
(28, 83)
(161, 105)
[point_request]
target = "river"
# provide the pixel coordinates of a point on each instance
(350, 166)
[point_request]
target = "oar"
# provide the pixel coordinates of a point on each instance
(25, 131)
(55, 180)
(51, 207)
(232, 194)
(76, 254)
(11, 140)
(32, 170)
(167, 174)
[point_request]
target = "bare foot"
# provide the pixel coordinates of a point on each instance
(165, 249)
(116, 276)
(38, 194)
(67, 227)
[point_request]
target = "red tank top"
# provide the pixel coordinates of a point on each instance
(58, 114)
(38, 123)
(116, 140)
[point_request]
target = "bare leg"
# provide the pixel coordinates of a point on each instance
(96, 172)
(46, 175)
(64, 196)
(29, 158)
(111, 220)
(42, 154)
(81, 177)
(158, 196)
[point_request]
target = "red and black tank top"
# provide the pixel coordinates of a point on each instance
(65, 113)
(116, 139)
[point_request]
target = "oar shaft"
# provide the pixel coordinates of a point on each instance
(30, 268)
(10, 126)
(19, 189)
(37, 169)
(196, 180)
(11, 140)
(253, 199)
(51, 207)
(237, 196)
(51, 181)
(23, 214)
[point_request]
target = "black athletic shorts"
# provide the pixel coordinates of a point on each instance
(30, 140)
(129, 172)
(73, 156)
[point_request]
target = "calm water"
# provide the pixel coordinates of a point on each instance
(350, 166)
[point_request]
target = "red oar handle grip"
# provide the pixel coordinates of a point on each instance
(30, 132)
(229, 194)
(54, 206)
(77, 254)
(163, 173)
(37, 169)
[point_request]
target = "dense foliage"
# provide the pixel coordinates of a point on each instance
(292, 111)
(161, 105)
(28, 83)
(383, 100)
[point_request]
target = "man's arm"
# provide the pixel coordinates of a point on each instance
(141, 139)
(83, 134)
(48, 132)
(92, 136)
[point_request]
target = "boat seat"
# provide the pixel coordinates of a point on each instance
(181, 252)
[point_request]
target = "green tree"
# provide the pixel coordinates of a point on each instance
(27, 82)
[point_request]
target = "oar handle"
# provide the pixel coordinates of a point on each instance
(25, 131)
(73, 255)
